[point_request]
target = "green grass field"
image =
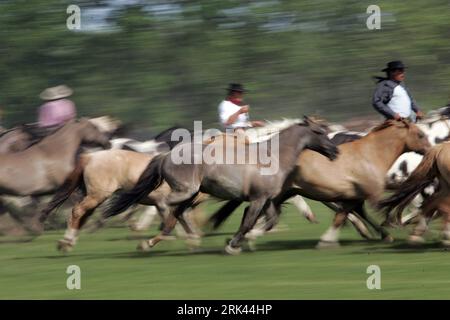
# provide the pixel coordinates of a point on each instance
(285, 266)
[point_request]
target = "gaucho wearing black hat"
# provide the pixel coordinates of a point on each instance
(391, 98)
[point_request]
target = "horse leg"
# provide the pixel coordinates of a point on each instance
(444, 208)
(247, 223)
(357, 223)
(192, 239)
(195, 218)
(146, 218)
(302, 207)
(429, 208)
(261, 226)
(171, 219)
(330, 237)
(414, 212)
(223, 213)
(79, 216)
(270, 218)
(385, 236)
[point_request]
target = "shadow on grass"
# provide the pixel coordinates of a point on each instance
(18, 240)
(143, 236)
(359, 246)
(405, 247)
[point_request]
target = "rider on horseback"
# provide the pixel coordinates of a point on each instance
(391, 98)
(233, 114)
(57, 110)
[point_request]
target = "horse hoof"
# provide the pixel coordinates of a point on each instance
(64, 246)
(134, 228)
(251, 244)
(193, 242)
(327, 244)
(388, 239)
(311, 218)
(233, 251)
(144, 246)
(416, 240)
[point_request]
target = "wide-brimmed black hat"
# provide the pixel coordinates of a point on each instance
(394, 65)
(236, 87)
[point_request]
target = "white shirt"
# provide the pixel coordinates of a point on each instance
(400, 102)
(226, 110)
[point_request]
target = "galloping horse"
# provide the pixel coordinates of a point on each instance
(226, 181)
(22, 137)
(358, 174)
(43, 167)
(435, 165)
(100, 174)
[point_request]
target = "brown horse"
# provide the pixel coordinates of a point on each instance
(14, 140)
(434, 165)
(229, 180)
(100, 174)
(358, 174)
(22, 137)
(43, 167)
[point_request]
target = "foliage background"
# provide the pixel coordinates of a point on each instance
(157, 63)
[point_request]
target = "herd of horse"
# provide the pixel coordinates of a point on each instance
(89, 161)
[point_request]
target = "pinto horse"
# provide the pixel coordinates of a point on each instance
(435, 165)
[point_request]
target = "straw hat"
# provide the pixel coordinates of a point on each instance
(57, 92)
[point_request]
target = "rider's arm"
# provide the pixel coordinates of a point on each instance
(229, 114)
(232, 119)
(380, 95)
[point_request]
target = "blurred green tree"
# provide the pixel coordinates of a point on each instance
(157, 63)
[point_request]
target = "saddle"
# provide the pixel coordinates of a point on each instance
(38, 133)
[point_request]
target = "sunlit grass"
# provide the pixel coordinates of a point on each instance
(285, 266)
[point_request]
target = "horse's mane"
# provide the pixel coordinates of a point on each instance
(162, 134)
(388, 124)
(259, 134)
(4, 132)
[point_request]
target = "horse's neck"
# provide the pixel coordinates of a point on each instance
(386, 146)
(289, 146)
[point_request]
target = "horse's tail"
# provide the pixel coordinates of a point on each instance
(419, 179)
(72, 183)
(150, 179)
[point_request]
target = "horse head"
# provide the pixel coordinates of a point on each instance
(91, 134)
(319, 140)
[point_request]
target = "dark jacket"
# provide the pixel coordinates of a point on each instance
(383, 94)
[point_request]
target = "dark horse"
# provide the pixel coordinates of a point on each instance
(228, 181)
